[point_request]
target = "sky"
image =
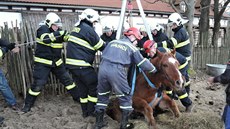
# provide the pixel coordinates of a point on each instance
(8, 17)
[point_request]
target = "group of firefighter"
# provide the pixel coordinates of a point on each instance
(82, 82)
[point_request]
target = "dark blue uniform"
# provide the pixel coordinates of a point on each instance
(116, 59)
(160, 36)
(108, 39)
(140, 45)
(82, 45)
(180, 41)
(48, 58)
(224, 78)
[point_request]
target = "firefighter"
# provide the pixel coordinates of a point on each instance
(158, 35)
(180, 41)
(116, 59)
(150, 49)
(142, 41)
(109, 34)
(82, 45)
(48, 58)
(224, 78)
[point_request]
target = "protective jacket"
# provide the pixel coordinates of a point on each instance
(140, 46)
(180, 41)
(159, 37)
(49, 46)
(82, 45)
(224, 78)
(130, 54)
(108, 39)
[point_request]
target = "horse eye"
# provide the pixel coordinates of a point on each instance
(165, 65)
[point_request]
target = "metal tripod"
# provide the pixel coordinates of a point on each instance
(122, 18)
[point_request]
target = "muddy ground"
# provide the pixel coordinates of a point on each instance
(60, 112)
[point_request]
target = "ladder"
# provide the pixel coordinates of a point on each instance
(122, 18)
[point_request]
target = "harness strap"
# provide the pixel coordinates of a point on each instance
(133, 81)
(147, 79)
(155, 98)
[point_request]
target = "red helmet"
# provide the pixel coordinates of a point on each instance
(133, 31)
(148, 45)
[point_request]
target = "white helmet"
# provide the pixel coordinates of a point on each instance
(176, 18)
(107, 28)
(53, 18)
(90, 15)
(155, 27)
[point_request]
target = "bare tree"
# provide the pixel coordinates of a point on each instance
(189, 12)
(204, 22)
(218, 13)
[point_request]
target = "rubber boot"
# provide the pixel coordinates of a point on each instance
(29, 102)
(187, 88)
(100, 119)
(75, 94)
(91, 108)
(124, 120)
(84, 110)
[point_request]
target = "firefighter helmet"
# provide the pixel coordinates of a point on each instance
(177, 19)
(148, 45)
(53, 18)
(90, 15)
(133, 31)
(107, 28)
(155, 27)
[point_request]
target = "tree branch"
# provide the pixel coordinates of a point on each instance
(224, 7)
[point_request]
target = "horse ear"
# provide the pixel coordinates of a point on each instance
(158, 53)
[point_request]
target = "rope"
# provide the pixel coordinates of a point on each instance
(32, 42)
(147, 79)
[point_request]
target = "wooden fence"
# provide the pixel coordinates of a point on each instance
(20, 66)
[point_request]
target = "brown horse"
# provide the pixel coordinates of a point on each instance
(145, 99)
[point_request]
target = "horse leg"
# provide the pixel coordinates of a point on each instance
(167, 102)
(113, 110)
(140, 105)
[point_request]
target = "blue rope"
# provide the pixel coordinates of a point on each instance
(147, 79)
(133, 81)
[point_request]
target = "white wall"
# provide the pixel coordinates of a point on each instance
(137, 21)
(10, 16)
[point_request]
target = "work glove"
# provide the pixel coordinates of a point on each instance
(10, 46)
(63, 33)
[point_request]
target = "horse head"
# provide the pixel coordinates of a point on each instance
(167, 66)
